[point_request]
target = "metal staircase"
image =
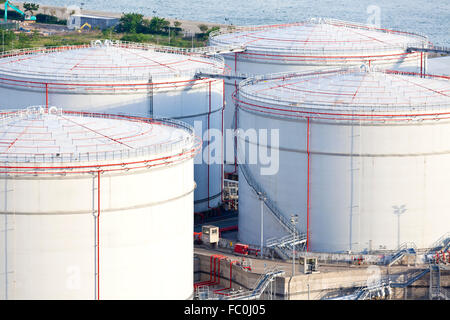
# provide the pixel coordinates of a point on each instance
(383, 288)
(228, 76)
(435, 282)
(260, 286)
(434, 49)
(411, 280)
(443, 243)
(405, 249)
(380, 290)
(284, 246)
(436, 291)
(273, 208)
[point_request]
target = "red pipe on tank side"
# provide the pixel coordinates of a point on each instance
(218, 271)
(197, 284)
(307, 196)
(212, 271)
(222, 152)
(229, 287)
(209, 139)
(235, 118)
(46, 97)
(98, 235)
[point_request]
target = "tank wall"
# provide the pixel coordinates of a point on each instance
(358, 173)
(188, 103)
(49, 246)
(242, 63)
(259, 64)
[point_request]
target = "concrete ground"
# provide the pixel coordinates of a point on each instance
(332, 280)
(258, 264)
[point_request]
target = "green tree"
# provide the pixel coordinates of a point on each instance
(215, 28)
(203, 28)
(7, 36)
(30, 7)
(131, 23)
(177, 27)
(158, 25)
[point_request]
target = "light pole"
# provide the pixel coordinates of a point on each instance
(399, 210)
(262, 198)
(294, 220)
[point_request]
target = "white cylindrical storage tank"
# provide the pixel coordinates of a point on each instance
(126, 78)
(362, 158)
(311, 45)
(95, 206)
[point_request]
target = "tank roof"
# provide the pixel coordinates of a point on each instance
(37, 135)
(349, 90)
(318, 36)
(106, 62)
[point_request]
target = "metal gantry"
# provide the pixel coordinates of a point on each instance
(407, 248)
(262, 284)
(284, 246)
(436, 291)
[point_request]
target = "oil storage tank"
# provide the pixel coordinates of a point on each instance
(90, 204)
(314, 44)
(362, 158)
(125, 78)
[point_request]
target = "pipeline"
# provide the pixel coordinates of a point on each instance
(198, 284)
(308, 185)
(98, 234)
(222, 160)
(231, 282)
(235, 118)
(212, 282)
(209, 140)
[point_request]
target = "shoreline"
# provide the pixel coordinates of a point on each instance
(188, 26)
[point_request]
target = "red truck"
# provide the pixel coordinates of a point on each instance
(245, 250)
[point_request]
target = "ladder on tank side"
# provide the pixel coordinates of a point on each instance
(273, 208)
